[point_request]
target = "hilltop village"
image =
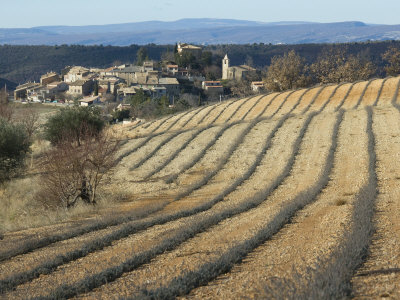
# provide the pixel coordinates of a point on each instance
(164, 79)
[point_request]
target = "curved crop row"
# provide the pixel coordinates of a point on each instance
(179, 237)
(363, 93)
(208, 270)
(124, 230)
(345, 96)
(289, 93)
(239, 107)
(175, 153)
(154, 150)
(92, 246)
(334, 274)
(253, 106)
(223, 110)
(375, 278)
(380, 91)
(313, 99)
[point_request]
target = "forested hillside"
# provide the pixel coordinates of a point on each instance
(22, 63)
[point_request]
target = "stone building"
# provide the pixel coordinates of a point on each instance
(186, 48)
(234, 73)
(49, 78)
(80, 87)
(21, 90)
(76, 73)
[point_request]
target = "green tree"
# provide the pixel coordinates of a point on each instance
(186, 59)
(96, 88)
(14, 145)
(120, 115)
(206, 58)
(286, 72)
(392, 57)
(73, 122)
(141, 56)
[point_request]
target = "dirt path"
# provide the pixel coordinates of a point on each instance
(311, 234)
(380, 274)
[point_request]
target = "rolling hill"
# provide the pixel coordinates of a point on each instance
(283, 195)
(201, 31)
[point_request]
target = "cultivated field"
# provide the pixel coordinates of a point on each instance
(290, 195)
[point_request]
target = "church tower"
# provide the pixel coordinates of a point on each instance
(225, 67)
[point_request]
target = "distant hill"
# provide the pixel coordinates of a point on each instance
(201, 31)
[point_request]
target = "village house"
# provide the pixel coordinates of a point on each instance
(49, 78)
(171, 85)
(76, 73)
(21, 90)
(171, 69)
(88, 101)
(213, 87)
(234, 73)
(186, 48)
(48, 92)
(80, 87)
(257, 86)
(108, 84)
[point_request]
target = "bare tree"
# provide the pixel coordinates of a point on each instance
(29, 119)
(72, 172)
(392, 56)
(335, 66)
(286, 72)
(6, 110)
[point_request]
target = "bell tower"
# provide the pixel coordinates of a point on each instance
(225, 67)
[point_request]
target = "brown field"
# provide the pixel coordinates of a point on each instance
(280, 196)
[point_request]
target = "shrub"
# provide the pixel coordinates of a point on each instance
(14, 145)
(75, 123)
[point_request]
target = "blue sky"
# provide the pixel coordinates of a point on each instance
(30, 13)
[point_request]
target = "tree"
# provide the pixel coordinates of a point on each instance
(6, 110)
(141, 56)
(286, 72)
(136, 101)
(334, 65)
(212, 72)
(73, 171)
(392, 57)
(71, 122)
(186, 59)
(96, 88)
(14, 145)
(29, 119)
(120, 115)
(206, 58)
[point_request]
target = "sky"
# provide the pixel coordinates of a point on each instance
(31, 13)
